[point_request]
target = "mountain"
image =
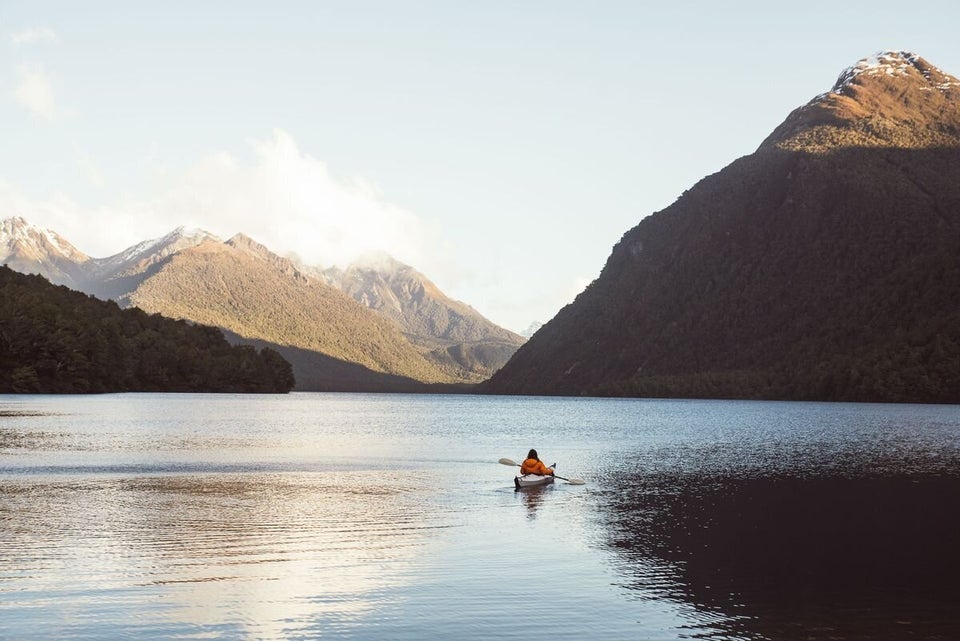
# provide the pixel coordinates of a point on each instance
(34, 250)
(379, 326)
(825, 265)
(116, 276)
(894, 99)
(454, 336)
(229, 285)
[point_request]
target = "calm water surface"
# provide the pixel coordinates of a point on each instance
(314, 516)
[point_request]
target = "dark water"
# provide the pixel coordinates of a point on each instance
(387, 517)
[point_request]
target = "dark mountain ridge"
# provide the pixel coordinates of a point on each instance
(826, 265)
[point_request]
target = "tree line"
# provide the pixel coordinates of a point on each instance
(56, 340)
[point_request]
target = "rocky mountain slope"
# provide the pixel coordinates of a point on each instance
(454, 336)
(826, 265)
(33, 250)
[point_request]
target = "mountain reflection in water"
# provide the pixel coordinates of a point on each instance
(788, 557)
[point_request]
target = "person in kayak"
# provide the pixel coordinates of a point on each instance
(533, 465)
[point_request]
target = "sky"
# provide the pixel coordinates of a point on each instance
(500, 147)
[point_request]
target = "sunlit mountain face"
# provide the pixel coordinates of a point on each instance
(378, 325)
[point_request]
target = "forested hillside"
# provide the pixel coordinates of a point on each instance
(824, 266)
(55, 340)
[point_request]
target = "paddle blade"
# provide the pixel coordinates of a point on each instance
(576, 482)
(506, 461)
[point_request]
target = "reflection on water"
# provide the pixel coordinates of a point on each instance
(533, 497)
(388, 517)
(848, 556)
(277, 552)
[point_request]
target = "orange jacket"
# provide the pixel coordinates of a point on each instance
(535, 466)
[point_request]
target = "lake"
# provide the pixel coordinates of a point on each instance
(353, 516)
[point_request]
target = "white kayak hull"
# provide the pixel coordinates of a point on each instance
(531, 480)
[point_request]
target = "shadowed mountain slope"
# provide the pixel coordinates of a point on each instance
(826, 265)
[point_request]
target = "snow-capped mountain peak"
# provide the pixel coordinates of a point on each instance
(150, 251)
(892, 99)
(20, 239)
(891, 63)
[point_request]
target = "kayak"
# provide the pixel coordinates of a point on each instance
(531, 480)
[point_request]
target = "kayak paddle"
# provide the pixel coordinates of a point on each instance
(512, 463)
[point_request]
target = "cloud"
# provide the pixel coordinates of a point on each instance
(90, 170)
(33, 36)
(278, 195)
(56, 212)
(291, 202)
(34, 91)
